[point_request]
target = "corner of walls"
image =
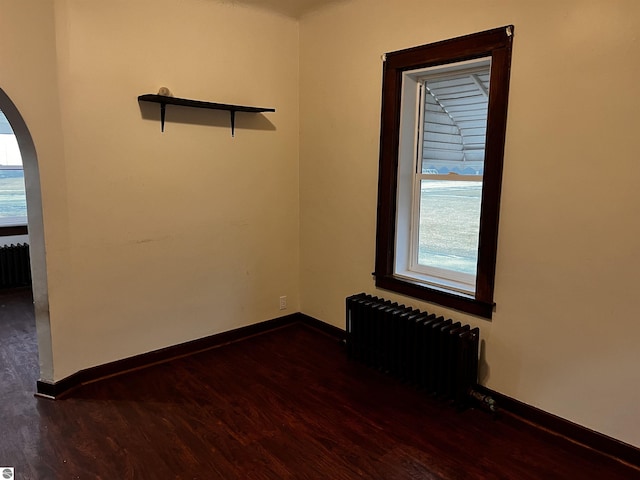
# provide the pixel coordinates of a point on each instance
(568, 233)
(169, 237)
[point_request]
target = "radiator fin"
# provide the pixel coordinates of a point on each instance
(15, 267)
(429, 351)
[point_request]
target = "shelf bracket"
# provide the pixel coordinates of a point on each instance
(233, 122)
(163, 109)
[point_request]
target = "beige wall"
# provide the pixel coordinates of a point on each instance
(171, 237)
(28, 78)
(564, 336)
(155, 239)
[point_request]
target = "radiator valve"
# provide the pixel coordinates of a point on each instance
(485, 401)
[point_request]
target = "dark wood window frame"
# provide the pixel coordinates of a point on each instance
(14, 230)
(496, 44)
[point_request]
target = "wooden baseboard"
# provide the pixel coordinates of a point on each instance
(62, 387)
(326, 328)
(559, 426)
(574, 432)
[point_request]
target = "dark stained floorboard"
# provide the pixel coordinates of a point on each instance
(283, 405)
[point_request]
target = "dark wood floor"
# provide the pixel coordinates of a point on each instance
(283, 405)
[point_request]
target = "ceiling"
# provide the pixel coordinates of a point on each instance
(290, 8)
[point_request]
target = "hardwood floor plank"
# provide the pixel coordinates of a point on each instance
(286, 404)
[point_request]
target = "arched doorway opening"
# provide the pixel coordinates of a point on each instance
(36, 233)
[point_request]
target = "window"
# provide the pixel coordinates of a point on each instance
(13, 199)
(443, 127)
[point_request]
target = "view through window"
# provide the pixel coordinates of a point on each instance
(13, 199)
(449, 169)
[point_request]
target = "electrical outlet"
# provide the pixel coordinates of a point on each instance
(283, 302)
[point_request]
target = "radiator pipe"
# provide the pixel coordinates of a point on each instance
(485, 402)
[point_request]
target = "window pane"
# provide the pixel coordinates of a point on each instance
(449, 224)
(13, 199)
(453, 134)
(455, 122)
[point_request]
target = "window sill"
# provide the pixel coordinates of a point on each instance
(437, 283)
(446, 298)
(13, 230)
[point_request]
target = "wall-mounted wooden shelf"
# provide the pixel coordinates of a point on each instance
(164, 100)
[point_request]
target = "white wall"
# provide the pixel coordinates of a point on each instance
(564, 334)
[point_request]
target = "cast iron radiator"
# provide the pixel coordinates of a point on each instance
(15, 269)
(434, 354)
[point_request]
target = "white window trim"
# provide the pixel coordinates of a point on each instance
(409, 182)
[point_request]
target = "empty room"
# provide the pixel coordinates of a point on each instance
(319, 239)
